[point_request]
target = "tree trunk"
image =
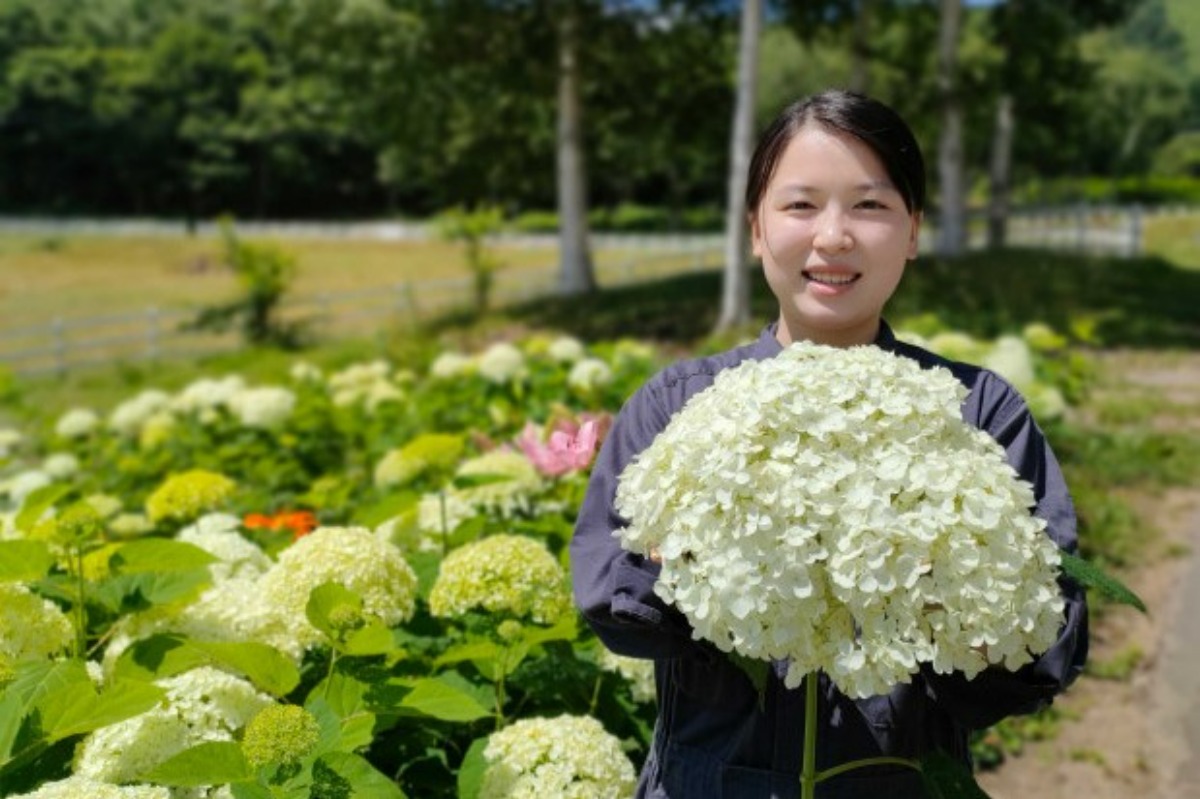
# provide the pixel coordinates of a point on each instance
(576, 275)
(860, 48)
(1001, 172)
(952, 228)
(735, 288)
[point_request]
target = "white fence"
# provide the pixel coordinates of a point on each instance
(65, 344)
(150, 334)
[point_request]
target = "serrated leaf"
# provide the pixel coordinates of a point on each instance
(77, 708)
(354, 775)
(37, 503)
(341, 733)
(209, 763)
(165, 655)
(470, 773)
(946, 778)
(439, 699)
(1091, 576)
(128, 593)
(323, 600)
(159, 555)
(24, 561)
(476, 650)
(374, 639)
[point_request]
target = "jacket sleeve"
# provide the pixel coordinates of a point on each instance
(614, 588)
(997, 693)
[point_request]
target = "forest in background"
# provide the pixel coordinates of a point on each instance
(375, 108)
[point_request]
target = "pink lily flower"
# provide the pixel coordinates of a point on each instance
(570, 447)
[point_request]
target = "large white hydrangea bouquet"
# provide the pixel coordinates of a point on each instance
(830, 508)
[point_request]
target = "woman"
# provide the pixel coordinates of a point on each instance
(834, 197)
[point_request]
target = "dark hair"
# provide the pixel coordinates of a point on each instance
(870, 121)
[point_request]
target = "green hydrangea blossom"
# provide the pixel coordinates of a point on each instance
(280, 734)
(425, 453)
(506, 575)
(30, 627)
(182, 497)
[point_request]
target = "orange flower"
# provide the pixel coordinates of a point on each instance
(300, 522)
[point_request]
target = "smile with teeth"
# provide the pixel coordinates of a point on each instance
(830, 278)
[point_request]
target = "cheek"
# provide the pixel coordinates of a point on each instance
(782, 239)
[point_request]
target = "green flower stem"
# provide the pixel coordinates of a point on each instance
(868, 761)
(442, 510)
(808, 770)
(809, 776)
(79, 611)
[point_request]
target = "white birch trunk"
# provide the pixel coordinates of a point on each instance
(735, 287)
(952, 227)
(576, 275)
(1001, 172)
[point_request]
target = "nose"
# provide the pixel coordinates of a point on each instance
(831, 233)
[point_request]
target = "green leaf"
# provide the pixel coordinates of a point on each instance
(24, 561)
(344, 696)
(567, 629)
(475, 480)
(470, 773)
(347, 774)
(165, 655)
(210, 763)
(37, 503)
(341, 733)
(127, 593)
(476, 650)
(757, 670)
(77, 708)
(1090, 576)
(324, 600)
(158, 555)
(374, 639)
(387, 508)
(946, 778)
(440, 699)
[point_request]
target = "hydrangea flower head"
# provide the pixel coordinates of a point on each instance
(566, 349)
(501, 363)
(76, 423)
(201, 705)
(351, 556)
(80, 787)
(1011, 358)
(30, 627)
(572, 757)
(638, 672)
(450, 365)
(207, 394)
(264, 408)
(589, 376)
(282, 734)
(428, 451)
(185, 496)
(504, 575)
(831, 508)
(512, 494)
(128, 417)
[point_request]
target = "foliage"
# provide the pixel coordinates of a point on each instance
(265, 271)
(472, 228)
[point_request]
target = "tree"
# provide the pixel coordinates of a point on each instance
(735, 288)
(952, 210)
(575, 259)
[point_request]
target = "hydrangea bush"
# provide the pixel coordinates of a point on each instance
(195, 580)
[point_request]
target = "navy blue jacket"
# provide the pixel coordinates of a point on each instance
(712, 738)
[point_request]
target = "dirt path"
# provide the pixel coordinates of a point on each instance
(1138, 737)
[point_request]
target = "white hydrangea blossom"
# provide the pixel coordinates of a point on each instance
(511, 495)
(507, 575)
(501, 363)
(201, 705)
(218, 534)
(1011, 358)
(442, 513)
(76, 423)
(350, 556)
(22, 484)
(831, 508)
(568, 757)
(80, 787)
(566, 349)
(106, 505)
(128, 417)
(305, 372)
(639, 673)
(60, 465)
(263, 408)
(589, 375)
(207, 394)
(9, 439)
(450, 365)
(30, 626)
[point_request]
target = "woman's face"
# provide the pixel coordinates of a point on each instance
(833, 235)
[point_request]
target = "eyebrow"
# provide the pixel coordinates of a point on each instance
(874, 185)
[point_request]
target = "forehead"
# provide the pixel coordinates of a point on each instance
(818, 155)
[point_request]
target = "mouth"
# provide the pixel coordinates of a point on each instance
(830, 278)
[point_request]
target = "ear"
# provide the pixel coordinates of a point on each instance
(755, 235)
(914, 236)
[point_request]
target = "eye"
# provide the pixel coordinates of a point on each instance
(799, 205)
(872, 205)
